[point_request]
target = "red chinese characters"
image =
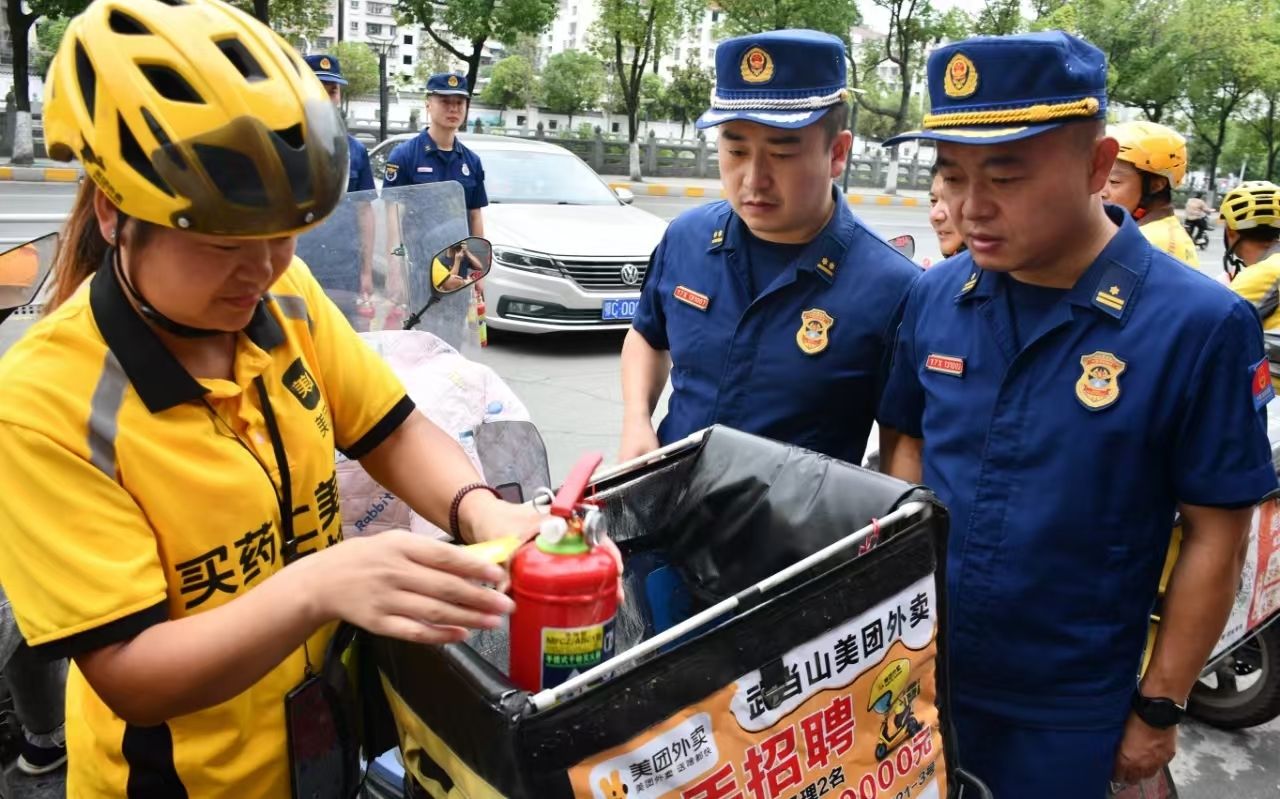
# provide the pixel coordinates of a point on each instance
(828, 732)
(722, 784)
(774, 766)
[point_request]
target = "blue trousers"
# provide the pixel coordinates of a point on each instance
(1019, 762)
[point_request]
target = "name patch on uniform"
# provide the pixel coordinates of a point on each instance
(1263, 390)
(699, 301)
(424, 169)
(392, 169)
(812, 335)
(1099, 384)
(945, 364)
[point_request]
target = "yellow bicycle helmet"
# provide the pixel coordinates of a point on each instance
(1252, 204)
(194, 115)
(1152, 148)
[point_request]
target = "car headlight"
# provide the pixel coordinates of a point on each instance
(526, 261)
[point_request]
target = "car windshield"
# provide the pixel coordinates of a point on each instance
(523, 176)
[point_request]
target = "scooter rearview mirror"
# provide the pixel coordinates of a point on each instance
(905, 244)
(461, 264)
(23, 270)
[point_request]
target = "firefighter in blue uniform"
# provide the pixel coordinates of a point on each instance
(433, 156)
(1065, 388)
(436, 155)
(347, 236)
(772, 312)
(329, 70)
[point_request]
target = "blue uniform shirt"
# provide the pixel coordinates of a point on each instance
(1062, 462)
(361, 175)
(803, 360)
(419, 160)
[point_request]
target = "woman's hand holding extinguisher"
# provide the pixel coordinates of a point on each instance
(402, 585)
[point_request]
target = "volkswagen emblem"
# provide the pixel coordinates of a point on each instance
(631, 274)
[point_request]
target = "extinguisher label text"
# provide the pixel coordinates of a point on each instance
(566, 652)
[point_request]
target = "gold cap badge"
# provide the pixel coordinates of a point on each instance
(757, 66)
(812, 335)
(325, 63)
(961, 78)
(1099, 384)
(453, 80)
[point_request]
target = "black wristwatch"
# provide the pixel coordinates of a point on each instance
(1159, 712)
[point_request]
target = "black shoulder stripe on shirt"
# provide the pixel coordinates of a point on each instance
(379, 432)
(149, 753)
(114, 632)
(1270, 302)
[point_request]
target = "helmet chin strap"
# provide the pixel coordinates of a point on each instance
(145, 308)
(1231, 263)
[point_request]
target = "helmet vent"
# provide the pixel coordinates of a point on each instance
(292, 61)
(292, 137)
(87, 77)
(174, 3)
(293, 154)
(133, 155)
(171, 85)
(234, 174)
(242, 60)
(161, 136)
(121, 22)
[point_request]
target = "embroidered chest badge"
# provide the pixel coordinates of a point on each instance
(1099, 383)
(466, 170)
(812, 335)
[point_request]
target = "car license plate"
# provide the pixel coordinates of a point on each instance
(618, 309)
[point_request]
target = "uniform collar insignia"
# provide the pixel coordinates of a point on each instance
(1113, 292)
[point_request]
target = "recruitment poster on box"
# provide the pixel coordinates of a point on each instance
(1258, 596)
(854, 716)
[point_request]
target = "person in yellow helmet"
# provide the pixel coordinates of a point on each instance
(1251, 212)
(1152, 163)
(451, 277)
(170, 512)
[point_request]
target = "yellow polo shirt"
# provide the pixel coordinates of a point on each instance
(127, 504)
(1169, 236)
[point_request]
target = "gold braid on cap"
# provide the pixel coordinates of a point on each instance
(1032, 115)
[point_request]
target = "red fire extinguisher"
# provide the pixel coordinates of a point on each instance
(565, 588)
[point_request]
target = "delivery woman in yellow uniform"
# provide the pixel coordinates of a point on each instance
(1151, 163)
(170, 514)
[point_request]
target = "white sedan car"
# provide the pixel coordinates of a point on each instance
(568, 253)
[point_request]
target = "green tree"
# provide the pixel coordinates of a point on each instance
(1223, 47)
(512, 84)
(526, 44)
(653, 97)
(999, 18)
(432, 60)
(913, 25)
(20, 22)
(476, 22)
(743, 17)
(1264, 124)
(306, 17)
(689, 92)
(572, 82)
(359, 68)
(632, 34)
(1264, 108)
(1139, 39)
(49, 33)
